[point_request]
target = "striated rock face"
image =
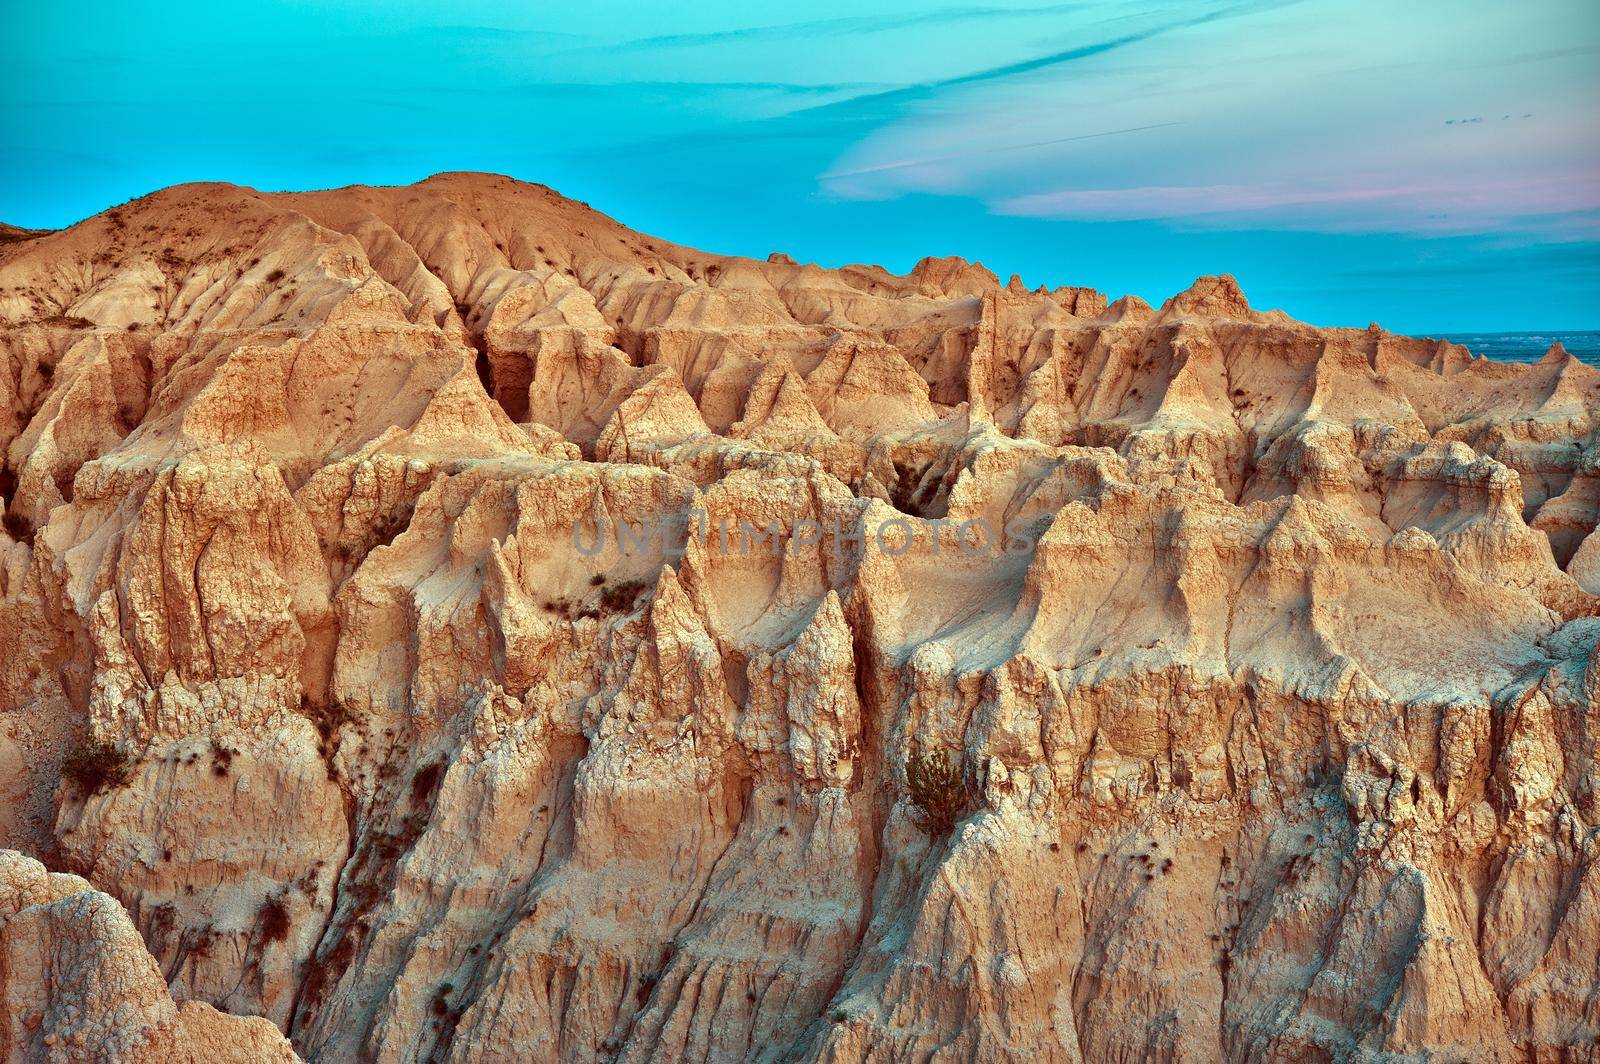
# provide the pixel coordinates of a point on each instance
(76, 984)
(452, 626)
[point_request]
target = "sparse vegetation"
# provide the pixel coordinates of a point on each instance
(614, 598)
(17, 526)
(621, 598)
(940, 791)
(96, 766)
(68, 321)
(274, 920)
(327, 717)
(204, 942)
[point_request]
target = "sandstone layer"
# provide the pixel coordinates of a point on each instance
(1271, 686)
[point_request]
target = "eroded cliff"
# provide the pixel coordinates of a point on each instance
(1264, 653)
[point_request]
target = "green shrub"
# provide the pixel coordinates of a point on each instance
(940, 791)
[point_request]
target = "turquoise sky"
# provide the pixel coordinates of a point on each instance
(1431, 164)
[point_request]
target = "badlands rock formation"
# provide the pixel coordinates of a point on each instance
(79, 985)
(1271, 686)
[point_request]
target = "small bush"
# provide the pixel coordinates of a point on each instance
(95, 766)
(275, 276)
(17, 526)
(621, 598)
(939, 790)
(327, 717)
(274, 917)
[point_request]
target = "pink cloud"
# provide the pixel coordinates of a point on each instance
(1439, 205)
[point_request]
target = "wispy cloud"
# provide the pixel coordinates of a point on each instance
(988, 149)
(837, 121)
(853, 24)
(1088, 51)
(574, 90)
(931, 87)
(1578, 261)
(1459, 205)
(1124, 143)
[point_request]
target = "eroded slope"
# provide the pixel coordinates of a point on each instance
(1279, 719)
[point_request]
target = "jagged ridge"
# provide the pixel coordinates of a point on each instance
(1279, 730)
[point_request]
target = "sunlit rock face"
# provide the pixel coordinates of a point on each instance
(453, 626)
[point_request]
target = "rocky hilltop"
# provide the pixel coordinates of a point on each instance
(452, 626)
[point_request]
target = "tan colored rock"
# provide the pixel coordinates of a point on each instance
(453, 626)
(78, 985)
